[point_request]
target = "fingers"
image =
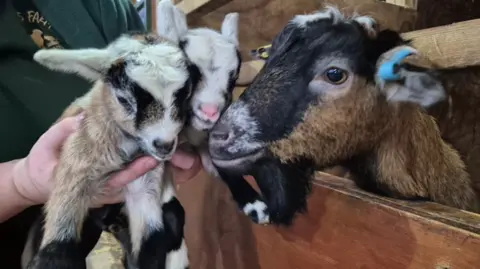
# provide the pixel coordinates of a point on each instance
(56, 135)
(181, 175)
(182, 159)
(185, 167)
(133, 171)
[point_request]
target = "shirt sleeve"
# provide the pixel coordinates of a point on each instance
(116, 17)
(133, 20)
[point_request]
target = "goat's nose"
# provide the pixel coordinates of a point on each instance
(163, 147)
(220, 133)
(210, 110)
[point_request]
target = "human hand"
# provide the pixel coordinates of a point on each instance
(33, 174)
(185, 165)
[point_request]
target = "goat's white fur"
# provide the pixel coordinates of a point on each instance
(332, 12)
(215, 55)
(160, 70)
(209, 50)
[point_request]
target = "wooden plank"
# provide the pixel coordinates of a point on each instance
(347, 228)
(261, 20)
(198, 8)
(454, 45)
(449, 46)
(188, 6)
(403, 3)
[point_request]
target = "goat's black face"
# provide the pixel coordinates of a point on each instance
(315, 59)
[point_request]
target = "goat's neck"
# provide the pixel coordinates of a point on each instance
(101, 126)
(413, 161)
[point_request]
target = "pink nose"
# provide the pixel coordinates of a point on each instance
(209, 110)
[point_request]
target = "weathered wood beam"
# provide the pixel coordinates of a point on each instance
(189, 6)
(198, 8)
(403, 3)
(451, 46)
(347, 228)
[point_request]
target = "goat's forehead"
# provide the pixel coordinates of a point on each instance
(133, 43)
(330, 19)
(210, 51)
(149, 38)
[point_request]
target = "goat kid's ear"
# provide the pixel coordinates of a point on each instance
(91, 64)
(230, 27)
(180, 21)
(171, 21)
(368, 23)
(403, 76)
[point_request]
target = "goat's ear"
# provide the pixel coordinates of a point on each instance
(404, 76)
(92, 64)
(167, 19)
(421, 88)
(180, 21)
(230, 27)
(368, 23)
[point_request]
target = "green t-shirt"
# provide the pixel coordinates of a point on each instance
(37, 26)
(33, 97)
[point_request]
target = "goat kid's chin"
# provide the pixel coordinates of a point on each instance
(198, 123)
(162, 151)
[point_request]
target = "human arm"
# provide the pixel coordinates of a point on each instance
(26, 182)
(11, 201)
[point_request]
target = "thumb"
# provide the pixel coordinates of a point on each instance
(56, 135)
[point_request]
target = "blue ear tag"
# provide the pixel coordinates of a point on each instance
(386, 71)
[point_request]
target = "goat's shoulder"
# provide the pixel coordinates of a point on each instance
(458, 117)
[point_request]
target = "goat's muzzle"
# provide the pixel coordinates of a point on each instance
(218, 141)
(228, 151)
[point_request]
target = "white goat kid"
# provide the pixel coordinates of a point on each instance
(136, 106)
(217, 56)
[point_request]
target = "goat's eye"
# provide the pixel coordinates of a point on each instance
(126, 105)
(123, 101)
(335, 75)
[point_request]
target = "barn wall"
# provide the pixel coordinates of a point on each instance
(433, 13)
(261, 20)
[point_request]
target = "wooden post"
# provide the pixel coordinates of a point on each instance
(403, 3)
(149, 14)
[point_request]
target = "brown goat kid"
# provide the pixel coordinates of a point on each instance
(320, 101)
(137, 106)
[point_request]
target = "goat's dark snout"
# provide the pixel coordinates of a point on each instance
(220, 133)
(163, 147)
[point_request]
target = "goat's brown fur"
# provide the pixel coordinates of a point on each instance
(411, 157)
(458, 117)
(91, 151)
